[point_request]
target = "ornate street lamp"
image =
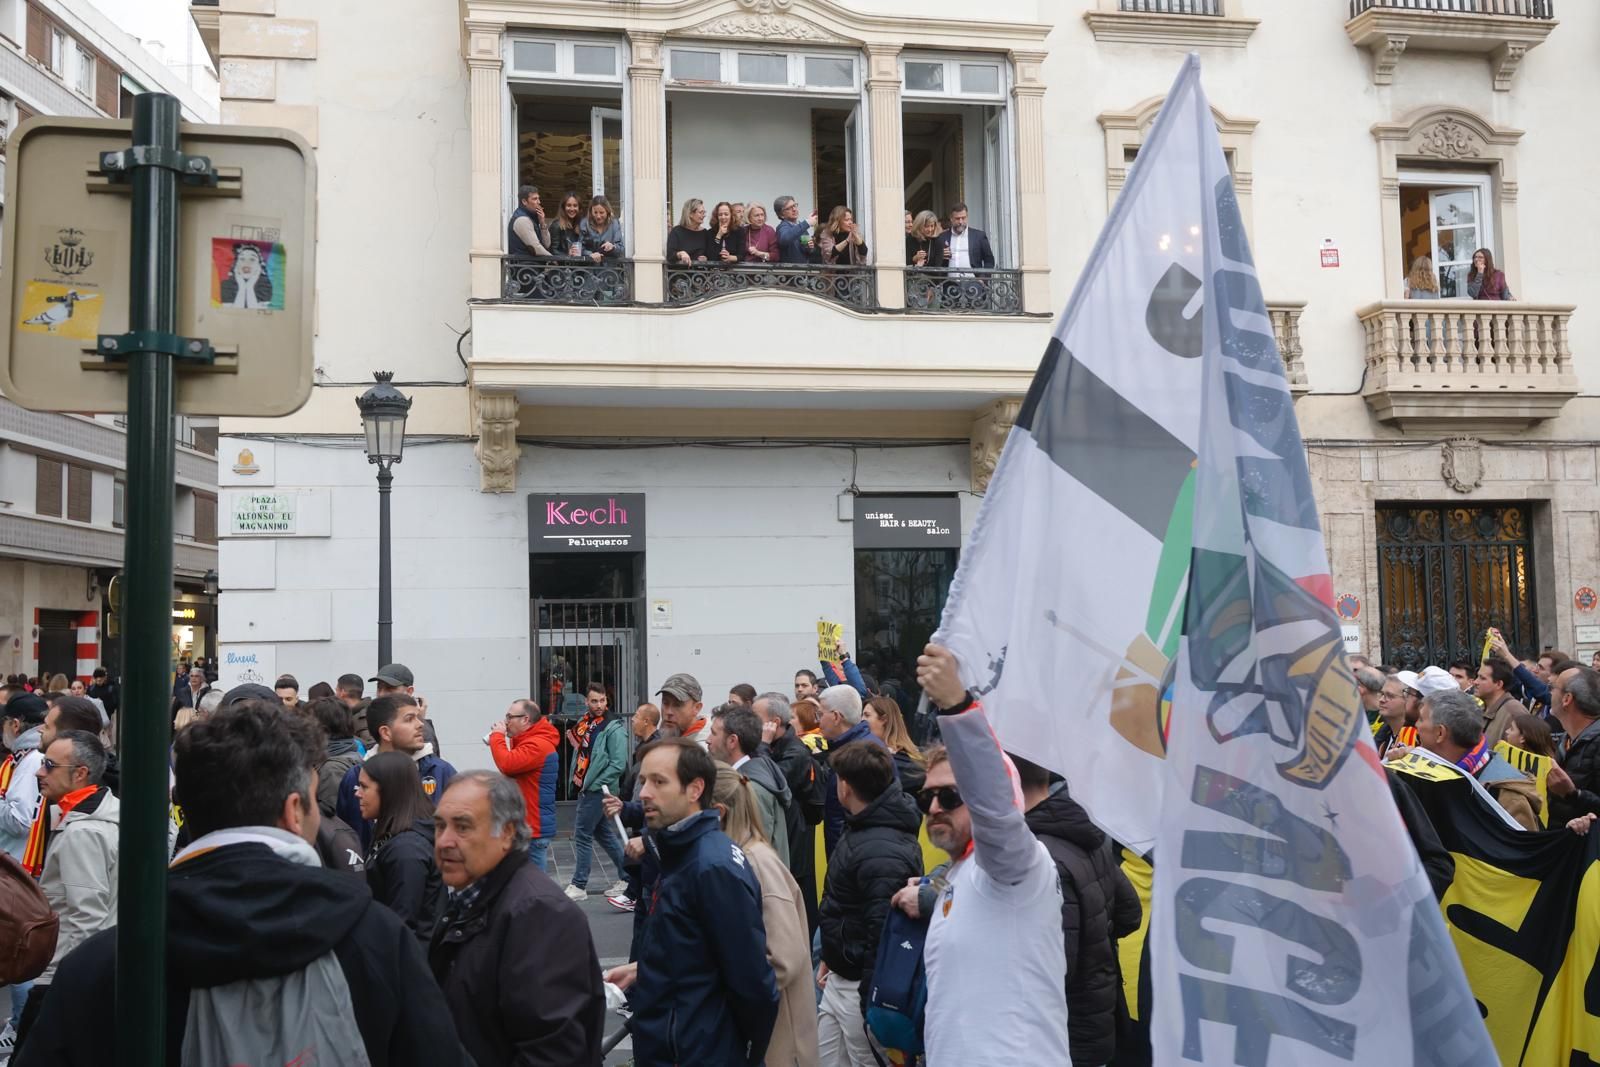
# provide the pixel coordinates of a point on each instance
(383, 417)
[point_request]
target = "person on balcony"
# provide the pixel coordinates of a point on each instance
(527, 234)
(565, 240)
(1483, 281)
(760, 240)
(1422, 283)
(925, 253)
(840, 241)
(962, 247)
(687, 244)
(725, 239)
(794, 235)
(600, 233)
(738, 215)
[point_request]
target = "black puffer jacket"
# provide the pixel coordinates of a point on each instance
(876, 855)
(1098, 905)
(404, 878)
(1581, 761)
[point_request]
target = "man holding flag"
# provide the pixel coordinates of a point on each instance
(1291, 921)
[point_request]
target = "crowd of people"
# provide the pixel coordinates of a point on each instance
(324, 859)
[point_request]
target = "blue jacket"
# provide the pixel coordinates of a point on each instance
(790, 250)
(833, 812)
(706, 993)
(852, 676)
(436, 775)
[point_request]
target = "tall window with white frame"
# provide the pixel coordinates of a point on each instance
(566, 101)
(1445, 216)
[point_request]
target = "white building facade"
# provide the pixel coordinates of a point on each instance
(625, 469)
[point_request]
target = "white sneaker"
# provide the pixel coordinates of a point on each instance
(576, 894)
(618, 889)
(623, 903)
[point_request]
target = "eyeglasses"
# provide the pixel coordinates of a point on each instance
(517, 716)
(949, 798)
(50, 765)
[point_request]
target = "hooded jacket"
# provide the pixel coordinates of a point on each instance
(531, 761)
(519, 972)
(833, 821)
(80, 874)
(1098, 905)
(435, 774)
(404, 878)
(876, 855)
(241, 911)
(703, 999)
(343, 753)
(775, 801)
(20, 802)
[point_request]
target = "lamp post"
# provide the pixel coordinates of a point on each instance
(211, 585)
(383, 416)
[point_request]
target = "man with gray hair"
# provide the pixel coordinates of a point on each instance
(1575, 779)
(841, 724)
(513, 955)
(1451, 727)
(1369, 684)
(784, 747)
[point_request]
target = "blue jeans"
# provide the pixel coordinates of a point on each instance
(19, 997)
(591, 822)
(539, 853)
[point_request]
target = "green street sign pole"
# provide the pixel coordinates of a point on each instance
(145, 730)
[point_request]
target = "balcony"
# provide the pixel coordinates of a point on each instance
(1285, 316)
(1446, 365)
(54, 540)
(968, 292)
(575, 283)
(1183, 23)
(207, 18)
(851, 287)
(1503, 30)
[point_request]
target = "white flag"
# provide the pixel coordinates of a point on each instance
(1291, 921)
(1066, 609)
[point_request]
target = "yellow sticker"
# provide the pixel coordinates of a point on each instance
(60, 310)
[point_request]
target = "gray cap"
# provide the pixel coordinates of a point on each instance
(395, 674)
(682, 686)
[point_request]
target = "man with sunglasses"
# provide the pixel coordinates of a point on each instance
(995, 950)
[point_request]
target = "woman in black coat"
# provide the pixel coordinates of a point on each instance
(687, 243)
(400, 867)
(725, 242)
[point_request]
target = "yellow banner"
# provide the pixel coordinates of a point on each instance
(829, 634)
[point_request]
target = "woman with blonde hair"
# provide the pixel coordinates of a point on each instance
(889, 725)
(1422, 283)
(687, 244)
(59, 683)
(783, 912)
(808, 724)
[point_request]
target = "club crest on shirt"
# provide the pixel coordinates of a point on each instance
(429, 784)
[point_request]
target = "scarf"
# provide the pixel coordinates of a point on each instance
(582, 736)
(1474, 761)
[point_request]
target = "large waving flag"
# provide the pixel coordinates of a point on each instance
(1291, 920)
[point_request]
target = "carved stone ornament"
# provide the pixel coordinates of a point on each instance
(1463, 464)
(766, 7)
(1449, 139)
(497, 449)
(989, 432)
(765, 25)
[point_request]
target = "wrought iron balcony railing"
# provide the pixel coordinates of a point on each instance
(1530, 9)
(967, 292)
(854, 287)
(566, 281)
(1173, 7)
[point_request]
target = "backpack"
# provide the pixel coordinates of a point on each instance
(28, 928)
(899, 996)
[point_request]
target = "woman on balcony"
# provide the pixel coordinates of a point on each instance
(565, 240)
(840, 242)
(760, 240)
(687, 243)
(924, 254)
(599, 232)
(725, 239)
(1483, 281)
(1422, 283)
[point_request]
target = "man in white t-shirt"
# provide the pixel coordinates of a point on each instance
(995, 959)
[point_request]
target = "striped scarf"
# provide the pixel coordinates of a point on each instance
(33, 850)
(1479, 755)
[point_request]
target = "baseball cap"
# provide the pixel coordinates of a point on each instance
(28, 707)
(249, 691)
(683, 686)
(1435, 680)
(1409, 679)
(395, 674)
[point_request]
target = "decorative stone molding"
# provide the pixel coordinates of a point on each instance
(483, 47)
(497, 451)
(1389, 32)
(1126, 130)
(1449, 135)
(989, 432)
(1108, 22)
(765, 27)
(1462, 466)
(1285, 316)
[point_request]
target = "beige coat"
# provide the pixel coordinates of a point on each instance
(783, 909)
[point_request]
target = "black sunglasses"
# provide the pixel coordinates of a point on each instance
(949, 798)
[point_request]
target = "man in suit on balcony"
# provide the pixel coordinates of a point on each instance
(962, 247)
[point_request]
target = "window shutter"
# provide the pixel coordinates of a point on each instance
(205, 518)
(205, 440)
(47, 496)
(38, 35)
(79, 500)
(106, 86)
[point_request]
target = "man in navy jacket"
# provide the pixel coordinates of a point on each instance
(703, 992)
(962, 247)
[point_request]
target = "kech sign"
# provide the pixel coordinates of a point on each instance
(907, 522)
(586, 522)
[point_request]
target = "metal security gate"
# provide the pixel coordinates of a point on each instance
(576, 642)
(1446, 574)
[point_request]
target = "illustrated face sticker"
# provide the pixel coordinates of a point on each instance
(248, 275)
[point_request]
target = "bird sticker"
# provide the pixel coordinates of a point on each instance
(60, 311)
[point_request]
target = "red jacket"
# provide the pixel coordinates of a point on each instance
(531, 759)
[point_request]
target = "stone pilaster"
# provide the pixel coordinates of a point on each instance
(888, 172)
(989, 431)
(495, 418)
(1027, 96)
(484, 44)
(648, 153)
